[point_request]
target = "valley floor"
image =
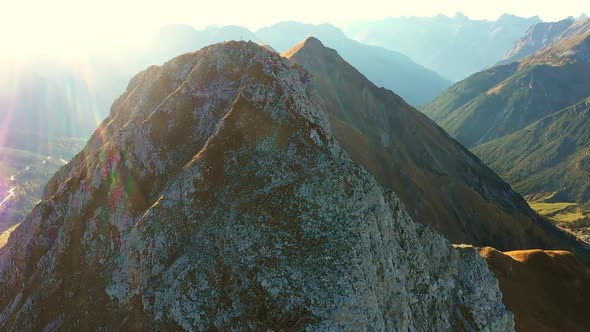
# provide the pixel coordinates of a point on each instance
(572, 217)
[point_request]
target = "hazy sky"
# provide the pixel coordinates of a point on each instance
(27, 23)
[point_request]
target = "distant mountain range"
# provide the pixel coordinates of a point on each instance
(528, 120)
(543, 35)
(72, 99)
(389, 69)
(69, 100)
(504, 99)
(454, 47)
(538, 37)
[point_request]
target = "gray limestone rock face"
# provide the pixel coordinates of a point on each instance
(214, 196)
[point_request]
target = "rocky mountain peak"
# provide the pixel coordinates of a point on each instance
(313, 42)
(311, 45)
(572, 45)
(214, 196)
(537, 37)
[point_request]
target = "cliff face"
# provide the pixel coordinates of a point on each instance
(215, 196)
(536, 38)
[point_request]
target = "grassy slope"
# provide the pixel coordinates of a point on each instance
(546, 208)
(6, 234)
(464, 91)
(551, 155)
(518, 100)
(546, 290)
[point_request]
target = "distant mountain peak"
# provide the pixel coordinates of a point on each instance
(571, 46)
(512, 17)
(387, 68)
(555, 43)
(313, 41)
(310, 44)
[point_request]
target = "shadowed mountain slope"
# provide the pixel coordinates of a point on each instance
(441, 182)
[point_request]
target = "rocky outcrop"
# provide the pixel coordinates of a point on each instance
(214, 196)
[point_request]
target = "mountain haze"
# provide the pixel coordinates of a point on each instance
(386, 68)
(174, 39)
(455, 47)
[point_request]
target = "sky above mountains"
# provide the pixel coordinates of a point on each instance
(69, 25)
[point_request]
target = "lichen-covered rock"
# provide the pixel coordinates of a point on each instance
(215, 197)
